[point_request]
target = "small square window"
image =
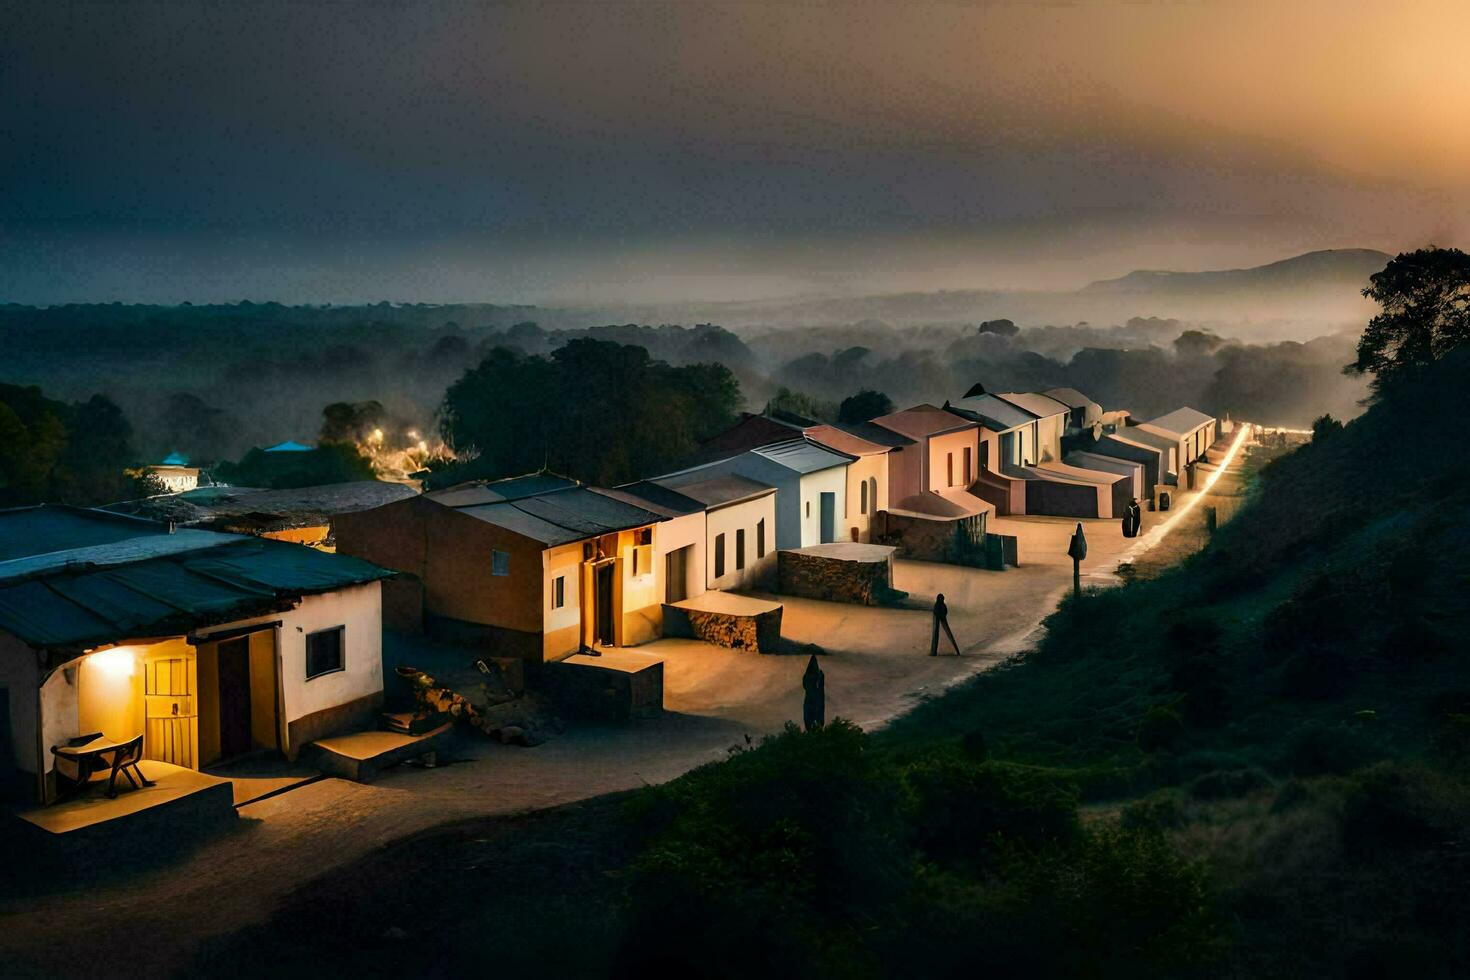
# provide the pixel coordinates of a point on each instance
(559, 592)
(324, 652)
(499, 562)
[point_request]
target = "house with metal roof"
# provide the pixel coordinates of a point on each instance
(810, 482)
(536, 567)
(1159, 454)
(302, 515)
(1192, 431)
(203, 645)
(174, 473)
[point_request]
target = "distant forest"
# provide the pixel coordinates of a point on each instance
(214, 381)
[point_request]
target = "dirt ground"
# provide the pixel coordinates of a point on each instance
(877, 666)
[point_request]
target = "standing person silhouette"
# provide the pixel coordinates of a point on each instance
(941, 618)
(814, 705)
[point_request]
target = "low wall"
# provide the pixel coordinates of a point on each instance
(758, 632)
(354, 716)
(818, 576)
(594, 692)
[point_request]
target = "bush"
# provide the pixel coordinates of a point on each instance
(1315, 749)
(1392, 807)
(962, 811)
(1160, 728)
(1225, 784)
(1161, 811)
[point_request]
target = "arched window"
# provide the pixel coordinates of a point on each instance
(863, 499)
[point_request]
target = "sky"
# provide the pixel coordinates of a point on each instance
(595, 150)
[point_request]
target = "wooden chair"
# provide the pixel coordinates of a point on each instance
(127, 756)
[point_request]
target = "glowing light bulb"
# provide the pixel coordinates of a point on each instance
(117, 662)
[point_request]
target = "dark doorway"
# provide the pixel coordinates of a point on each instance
(604, 621)
(234, 697)
(676, 574)
(829, 518)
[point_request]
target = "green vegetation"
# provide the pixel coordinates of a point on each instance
(51, 451)
(594, 410)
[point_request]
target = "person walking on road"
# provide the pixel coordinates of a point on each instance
(941, 618)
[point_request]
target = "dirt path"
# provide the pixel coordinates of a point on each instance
(877, 667)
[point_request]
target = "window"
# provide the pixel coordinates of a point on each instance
(968, 461)
(499, 562)
(949, 469)
(719, 555)
(324, 652)
(559, 592)
(642, 559)
(739, 549)
(863, 498)
(760, 538)
(873, 492)
(808, 508)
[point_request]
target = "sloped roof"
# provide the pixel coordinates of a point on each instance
(869, 432)
(1039, 405)
(714, 492)
(105, 588)
(174, 459)
(996, 413)
(803, 456)
(923, 421)
(1070, 397)
(1143, 437)
(478, 492)
(563, 516)
(751, 432)
(651, 496)
(289, 446)
(1181, 421)
(1107, 464)
(235, 508)
(845, 442)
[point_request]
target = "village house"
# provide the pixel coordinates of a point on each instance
(1158, 453)
(740, 526)
(200, 646)
(174, 473)
(932, 482)
(810, 482)
(1192, 431)
(301, 515)
(536, 567)
(1083, 414)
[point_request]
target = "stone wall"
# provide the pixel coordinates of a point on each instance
(834, 579)
(759, 633)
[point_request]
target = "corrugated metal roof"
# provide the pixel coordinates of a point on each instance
(36, 540)
(493, 491)
(289, 446)
(564, 516)
(922, 421)
(651, 496)
(715, 491)
(995, 413)
(845, 442)
(875, 433)
(803, 456)
(1038, 405)
(1181, 421)
(129, 588)
(237, 508)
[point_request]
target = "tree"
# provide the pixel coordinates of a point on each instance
(352, 421)
(1425, 296)
(1002, 328)
(1325, 426)
(864, 406)
(799, 404)
(54, 452)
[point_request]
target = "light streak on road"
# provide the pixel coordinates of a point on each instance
(1156, 534)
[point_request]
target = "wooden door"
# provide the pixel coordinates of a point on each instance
(234, 697)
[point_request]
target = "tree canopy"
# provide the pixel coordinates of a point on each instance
(594, 410)
(864, 406)
(1425, 296)
(51, 451)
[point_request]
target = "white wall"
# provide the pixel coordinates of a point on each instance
(359, 608)
(726, 520)
(566, 563)
(681, 532)
(813, 485)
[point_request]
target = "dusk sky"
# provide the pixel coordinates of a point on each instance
(587, 151)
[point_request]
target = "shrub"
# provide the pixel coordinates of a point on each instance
(1160, 728)
(1161, 811)
(1315, 748)
(1224, 784)
(1392, 807)
(961, 811)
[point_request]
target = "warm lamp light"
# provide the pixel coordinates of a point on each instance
(117, 662)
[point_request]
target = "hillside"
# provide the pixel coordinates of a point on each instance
(1251, 765)
(1347, 267)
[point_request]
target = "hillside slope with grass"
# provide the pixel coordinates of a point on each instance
(1250, 765)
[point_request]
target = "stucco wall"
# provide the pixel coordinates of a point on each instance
(758, 572)
(788, 494)
(941, 448)
(905, 473)
(813, 485)
(669, 536)
(1049, 438)
(872, 470)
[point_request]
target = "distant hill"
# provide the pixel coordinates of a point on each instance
(1329, 267)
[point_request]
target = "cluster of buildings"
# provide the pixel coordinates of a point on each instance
(200, 623)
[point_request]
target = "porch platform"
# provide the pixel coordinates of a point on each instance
(179, 798)
(727, 620)
(616, 685)
(362, 756)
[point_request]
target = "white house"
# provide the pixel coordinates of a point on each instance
(207, 645)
